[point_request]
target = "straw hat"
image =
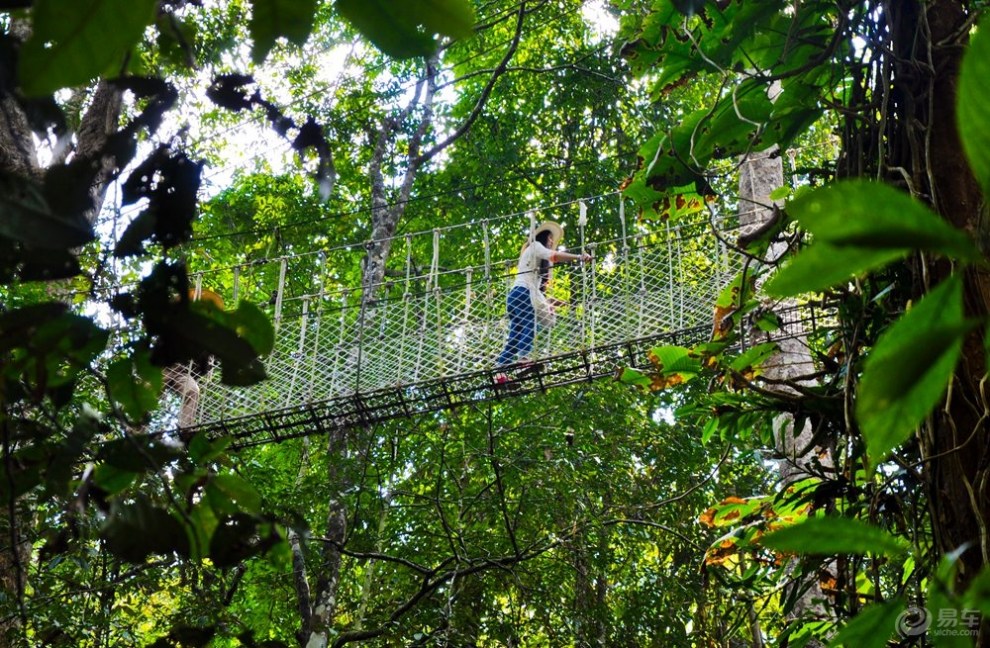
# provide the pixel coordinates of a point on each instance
(206, 296)
(556, 231)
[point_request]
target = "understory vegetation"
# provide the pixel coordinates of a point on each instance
(815, 472)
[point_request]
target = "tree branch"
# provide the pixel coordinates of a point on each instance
(97, 124)
(371, 555)
(485, 93)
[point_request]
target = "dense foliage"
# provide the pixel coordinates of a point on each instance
(718, 499)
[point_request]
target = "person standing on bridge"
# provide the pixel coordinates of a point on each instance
(528, 298)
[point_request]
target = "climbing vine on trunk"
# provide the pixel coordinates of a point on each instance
(887, 237)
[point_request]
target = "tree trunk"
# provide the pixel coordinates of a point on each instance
(468, 609)
(955, 445)
(319, 617)
(590, 590)
(19, 158)
(759, 174)
(15, 559)
(97, 124)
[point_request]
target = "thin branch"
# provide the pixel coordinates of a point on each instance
(485, 93)
(500, 486)
(655, 525)
(371, 555)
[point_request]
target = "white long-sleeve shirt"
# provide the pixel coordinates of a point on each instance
(528, 270)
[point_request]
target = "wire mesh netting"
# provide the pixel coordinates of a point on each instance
(436, 326)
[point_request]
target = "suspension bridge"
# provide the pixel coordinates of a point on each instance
(425, 339)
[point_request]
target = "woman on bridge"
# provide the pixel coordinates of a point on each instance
(528, 297)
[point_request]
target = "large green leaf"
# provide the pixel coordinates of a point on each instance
(29, 219)
(229, 494)
(135, 384)
(821, 266)
(734, 126)
(270, 19)
(138, 529)
(251, 324)
(73, 42)
(951, 626)
(137, 454)
(909, 369)
(977, 597)
(454, 18)
(973, 111)
(737, 292)
(689, 7)
(225, 335)
(871, 628)
(834, 535)
(675, 359)
(406, 29)
(753, 357)
(861, 226)
(876, 216)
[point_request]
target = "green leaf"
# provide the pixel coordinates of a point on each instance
(454, 18)
(821, 266)
(240, 536)
(689, 7)
(675, 360)
(203, 451)
(834, 535)
(731, 511)
(251, 324)
(767, 321)
(135, 384)
(738, 292)
(73, 42)
(405, 29)
(136, 530)
(207, 328)
(780, 193)
(137, 454)
(753, 357)
(973, 111)
(230, 494)
(191, 636)
(977, 597)
(861, 226)
(113, 480)
(876, 216)
(871, 628)
(271, 19)
(634, 377)
(29, 219)
(203, 522)
(948, 626)
(909, 369)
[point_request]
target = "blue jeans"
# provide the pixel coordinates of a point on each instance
(522, 326)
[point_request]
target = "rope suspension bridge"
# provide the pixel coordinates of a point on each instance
(426, 340)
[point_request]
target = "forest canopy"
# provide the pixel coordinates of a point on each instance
(809, 469)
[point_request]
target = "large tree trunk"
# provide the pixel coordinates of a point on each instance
(955, 444)
(100, 121)
(15, 559)
(799, 457)
(317, 604)
(19, 157)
